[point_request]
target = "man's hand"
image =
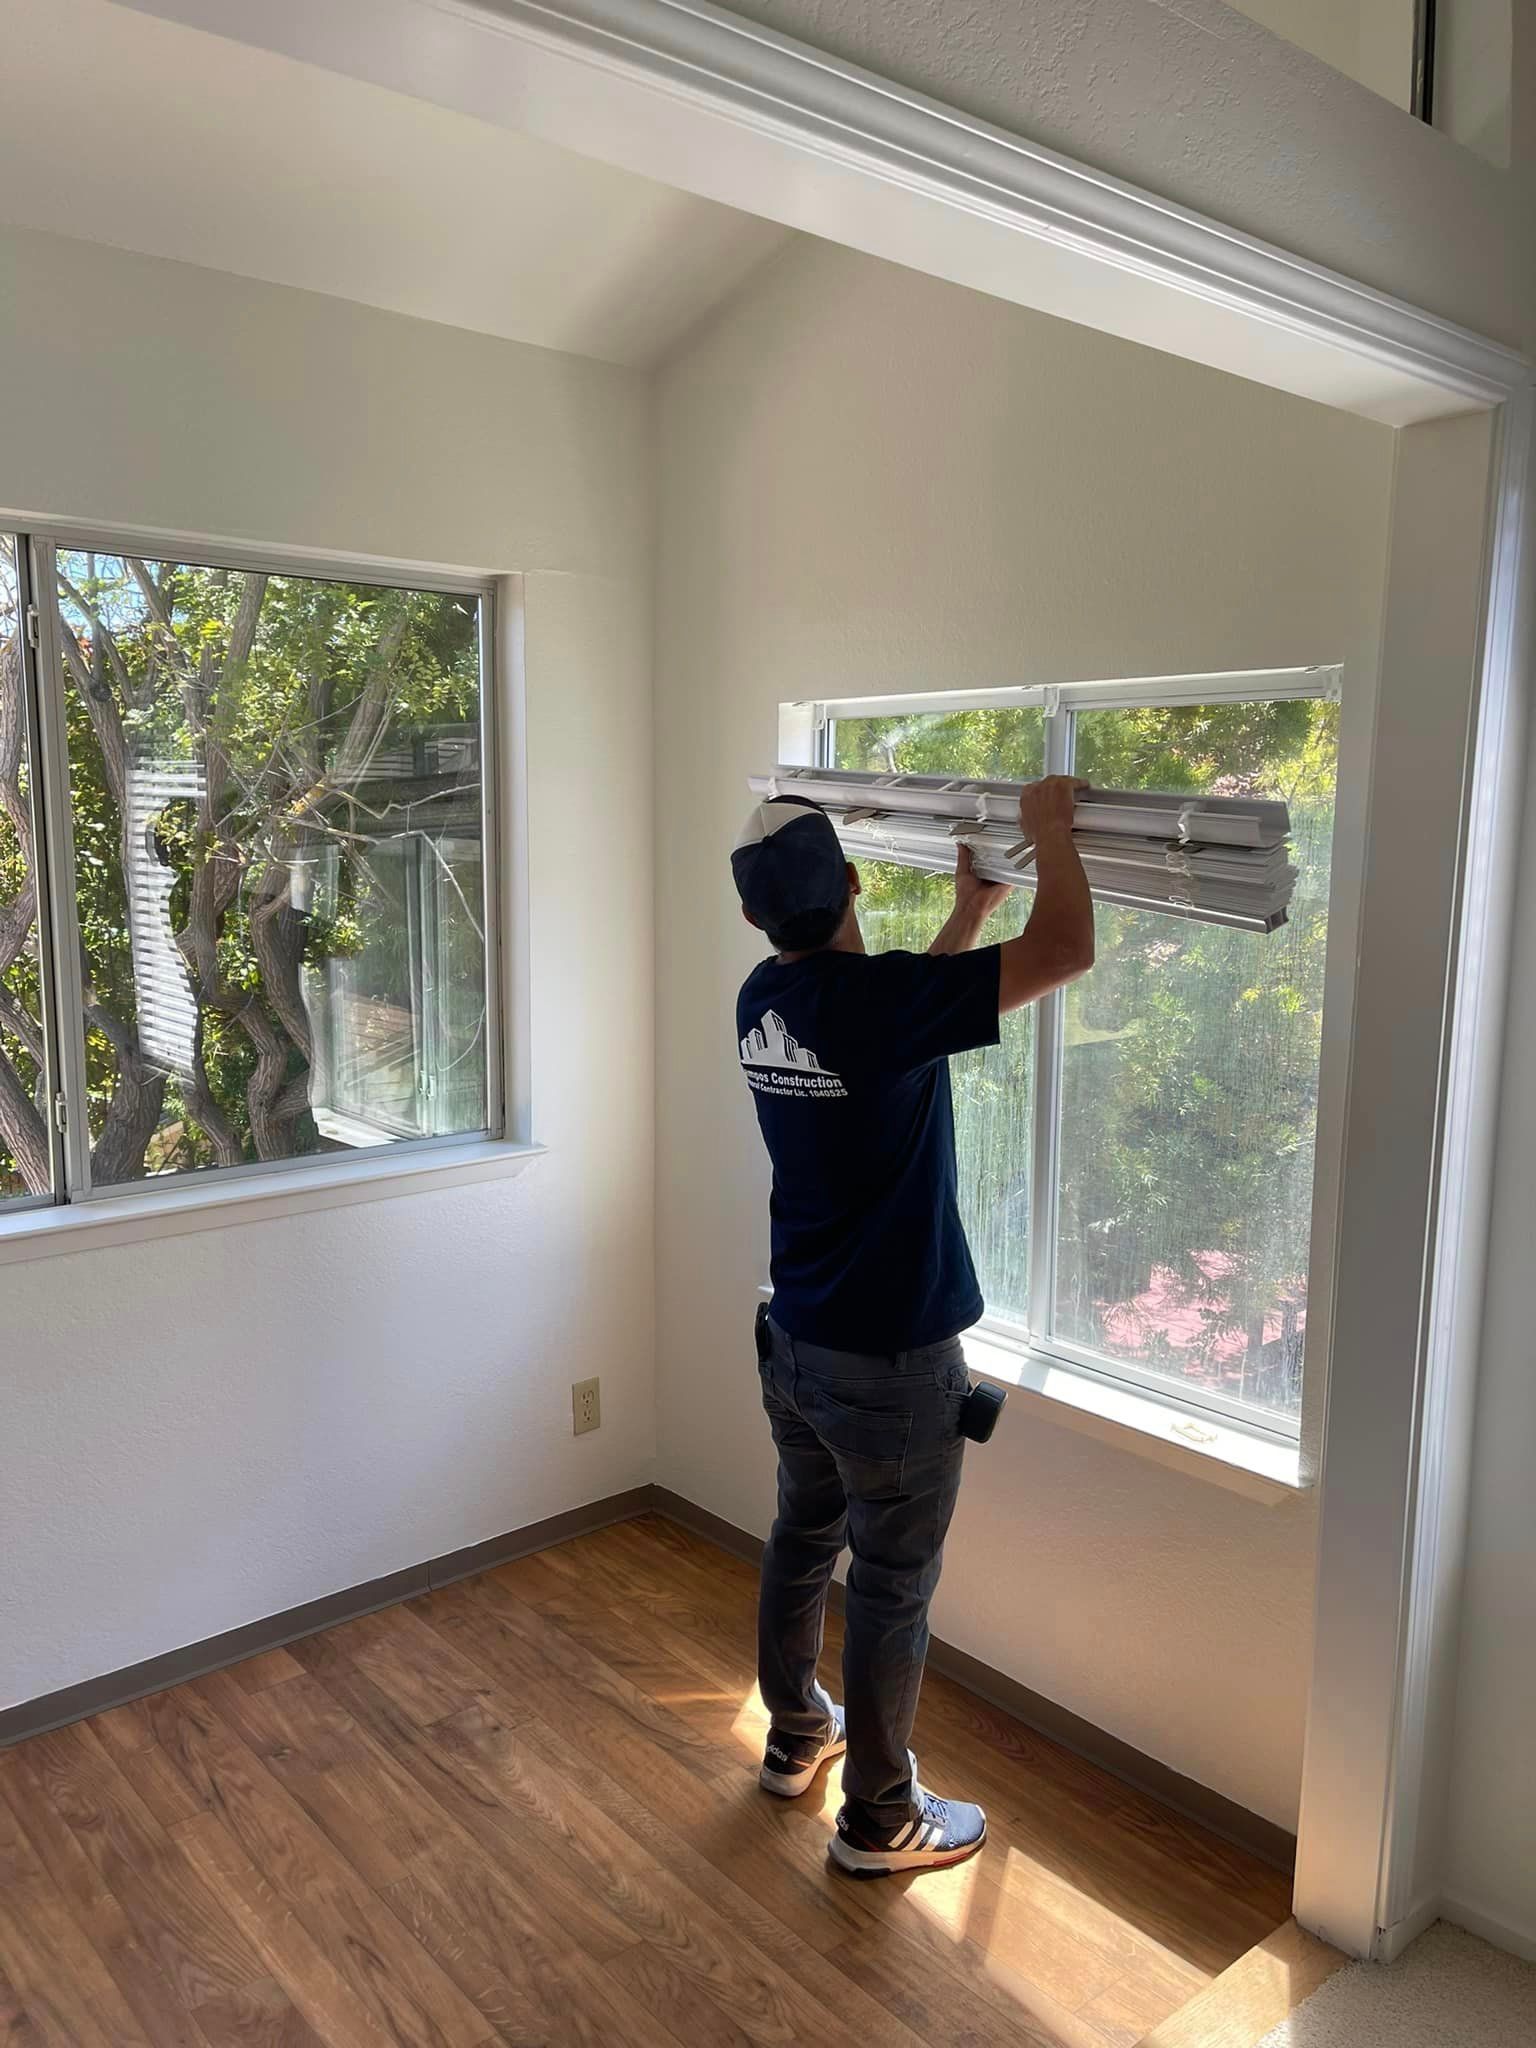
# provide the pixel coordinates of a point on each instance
(975, 901)
(974, 895)
(1047, 806)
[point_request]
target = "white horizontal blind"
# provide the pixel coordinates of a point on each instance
(1220, 860)
(166, 1007)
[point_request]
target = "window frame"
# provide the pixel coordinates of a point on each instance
(499, 728)
(808, 730)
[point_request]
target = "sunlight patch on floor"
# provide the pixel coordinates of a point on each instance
(751, 1722)
(947, 1897)
(1033, 1884)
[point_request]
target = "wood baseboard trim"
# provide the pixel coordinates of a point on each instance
(483, 1557)
(1171, 1788)
(174, 1667)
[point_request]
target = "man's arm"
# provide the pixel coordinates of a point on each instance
(1056, 945)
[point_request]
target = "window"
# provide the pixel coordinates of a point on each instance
(25, 1150)
(259, 796)
(1136, 1156)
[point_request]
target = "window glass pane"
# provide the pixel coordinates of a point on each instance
(994, 1088)
(987, 745)
(24, 1146)
(276, 802)
(1189, 1083)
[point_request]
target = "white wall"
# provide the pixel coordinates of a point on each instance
(1490, 1873)
(869, 479)
(1368, 40)
(1197, 103)
(1474, 51)
(206, 1429)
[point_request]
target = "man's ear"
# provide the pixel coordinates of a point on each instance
(855, 886)
(751, 920)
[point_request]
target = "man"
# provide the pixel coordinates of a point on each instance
(863, 1374)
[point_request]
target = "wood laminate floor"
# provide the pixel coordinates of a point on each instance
(524, 1810)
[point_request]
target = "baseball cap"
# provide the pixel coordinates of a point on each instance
(787, 860)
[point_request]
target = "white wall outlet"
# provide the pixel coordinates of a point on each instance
(586, 1406)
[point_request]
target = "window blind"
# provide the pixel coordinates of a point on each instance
(1219, 860)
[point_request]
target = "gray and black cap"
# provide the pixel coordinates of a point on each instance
(787, 861)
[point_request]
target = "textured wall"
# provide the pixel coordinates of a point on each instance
(1199, 104)
(870, 480)
(202, 1430)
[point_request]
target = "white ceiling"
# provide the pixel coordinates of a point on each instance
(123, 128)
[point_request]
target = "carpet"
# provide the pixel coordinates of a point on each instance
(1448, 1990)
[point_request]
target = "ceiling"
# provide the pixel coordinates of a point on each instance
(126, 129)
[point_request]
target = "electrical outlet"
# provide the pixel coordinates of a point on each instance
(586, 1406)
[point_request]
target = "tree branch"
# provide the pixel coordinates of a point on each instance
(102, 633)
(132, 1118)
(277, 939)
(371, 712)
(23, 1132)
(16, 1018)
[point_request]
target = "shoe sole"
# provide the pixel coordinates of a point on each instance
(892, 1862)
(790, 1784)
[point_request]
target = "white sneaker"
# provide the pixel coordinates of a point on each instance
(790, 1762)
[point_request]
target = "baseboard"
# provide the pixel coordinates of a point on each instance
(1488, 1927)
(1391, 1941)
(1223, 1816)
(174, 1667)
(596, 1514)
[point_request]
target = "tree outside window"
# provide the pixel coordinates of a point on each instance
(274, 787)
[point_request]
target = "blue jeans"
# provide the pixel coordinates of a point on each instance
(869, 1455)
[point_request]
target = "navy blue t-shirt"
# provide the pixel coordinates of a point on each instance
(847, 1058)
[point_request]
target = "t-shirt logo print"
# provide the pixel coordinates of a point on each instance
(777, 1064)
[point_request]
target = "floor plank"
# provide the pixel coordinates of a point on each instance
(146, 1987)
(180, 1923)
(390, 1975)
(1252, 1996)
(522, 1810)
(68, 1994)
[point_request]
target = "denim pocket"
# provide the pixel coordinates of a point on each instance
(869, 1444)
(951, 1374)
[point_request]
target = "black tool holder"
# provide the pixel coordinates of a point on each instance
(983, 1405)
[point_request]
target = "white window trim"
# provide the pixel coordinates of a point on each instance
(1219, 1432)
(1149, 1422)
(86, 1217)
(1227, 686)
(222, 1197)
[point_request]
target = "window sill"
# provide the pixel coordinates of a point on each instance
(1208, 1447)
(215, 1203)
